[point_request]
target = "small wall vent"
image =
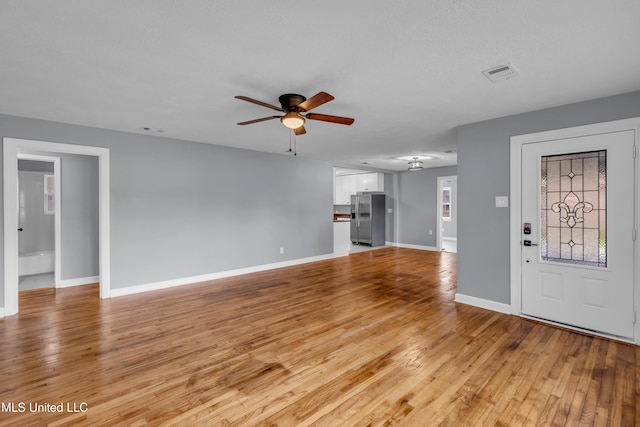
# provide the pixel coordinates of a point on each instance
(501, 72)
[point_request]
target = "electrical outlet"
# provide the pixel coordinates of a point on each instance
(502, 201)
(281, 250)
(430, 232)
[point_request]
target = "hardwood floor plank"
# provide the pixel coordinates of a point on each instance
(372, 339)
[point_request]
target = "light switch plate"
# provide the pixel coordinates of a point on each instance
(502, 201)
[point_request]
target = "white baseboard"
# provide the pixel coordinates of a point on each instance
(450, 239)
(423, 248)
(67, 283)
(1, 312)
(483, 303)
(147, 287)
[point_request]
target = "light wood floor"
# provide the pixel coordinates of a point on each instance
(366, 340)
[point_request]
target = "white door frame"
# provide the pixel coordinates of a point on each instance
(57, 219)
(12, 149)
(441, 179)
(516, 201)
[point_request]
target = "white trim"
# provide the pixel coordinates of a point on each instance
(12, 147)
(1, 312)
(516, 144)
(148, 287)
(396, 205)
(450, 239)
(67, 283)
(421, 247)
(57, 220)
(483, 303)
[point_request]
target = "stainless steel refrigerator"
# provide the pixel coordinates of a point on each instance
(367, 219)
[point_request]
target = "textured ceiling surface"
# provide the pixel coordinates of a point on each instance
(408, 71)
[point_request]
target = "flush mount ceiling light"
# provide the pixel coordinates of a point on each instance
(415, 165)
(414, 157)
(292, 120)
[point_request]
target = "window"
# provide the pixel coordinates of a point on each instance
(573, 208)
(49, 194)
(446, 203)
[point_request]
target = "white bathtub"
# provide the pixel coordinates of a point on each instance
(36, 263)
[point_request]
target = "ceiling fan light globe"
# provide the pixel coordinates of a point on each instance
(292, 120)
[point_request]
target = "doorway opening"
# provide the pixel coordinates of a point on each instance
(447, 214)
(13, 149)
(39, 221)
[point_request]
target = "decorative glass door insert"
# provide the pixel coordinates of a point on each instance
(573, 217)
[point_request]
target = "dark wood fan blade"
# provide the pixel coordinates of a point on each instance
(300, 131)
(332, 119)
(264, 119)
(255, 101)
(315, 101)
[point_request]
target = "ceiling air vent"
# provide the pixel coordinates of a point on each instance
(501, 72)
(150, 129)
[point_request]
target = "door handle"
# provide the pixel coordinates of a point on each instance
(528, 243)
(20, 229)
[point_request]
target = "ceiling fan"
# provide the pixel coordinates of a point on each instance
(293, 105)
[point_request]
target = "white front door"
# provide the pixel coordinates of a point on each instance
(578, 206)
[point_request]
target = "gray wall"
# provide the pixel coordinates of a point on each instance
(418, 208)
(180, 209)
(483, 173)
(35, 166)
(79, 224)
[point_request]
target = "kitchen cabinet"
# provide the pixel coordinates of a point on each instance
(369, 182)
(346, 185)
(341, 238)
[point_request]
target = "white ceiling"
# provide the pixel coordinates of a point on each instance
(408, 71)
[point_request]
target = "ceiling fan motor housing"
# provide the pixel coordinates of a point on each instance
(290, 101)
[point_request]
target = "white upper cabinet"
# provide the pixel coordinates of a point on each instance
(369, 182)
(346, 185)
